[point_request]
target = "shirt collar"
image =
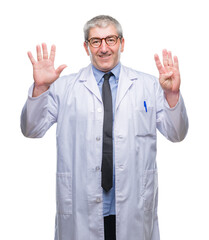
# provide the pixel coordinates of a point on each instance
(99, 74)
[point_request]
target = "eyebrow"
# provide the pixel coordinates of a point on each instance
(104, 37)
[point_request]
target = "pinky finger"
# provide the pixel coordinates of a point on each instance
(33, 61)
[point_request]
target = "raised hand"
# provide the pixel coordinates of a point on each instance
(44, 73)
(169, 76)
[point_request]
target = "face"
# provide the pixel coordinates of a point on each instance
(105, 57)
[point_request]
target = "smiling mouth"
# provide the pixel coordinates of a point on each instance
(105, 56)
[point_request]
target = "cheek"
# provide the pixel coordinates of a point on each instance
(116, 54)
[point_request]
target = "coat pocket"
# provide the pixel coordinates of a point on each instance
(64, 193)
(145, 122)
(150, 189)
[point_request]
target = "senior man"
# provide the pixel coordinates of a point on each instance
(107, 115)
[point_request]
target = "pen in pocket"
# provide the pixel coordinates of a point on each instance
(145, 106)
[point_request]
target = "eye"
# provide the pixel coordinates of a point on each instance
(111, 40)
(95, 41)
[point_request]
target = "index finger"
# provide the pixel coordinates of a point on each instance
(158, 64)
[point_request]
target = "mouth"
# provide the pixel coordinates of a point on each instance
(106, 56)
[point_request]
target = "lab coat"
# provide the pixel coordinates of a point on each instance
(75, 104)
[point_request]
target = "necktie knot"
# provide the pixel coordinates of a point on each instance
(107, 76)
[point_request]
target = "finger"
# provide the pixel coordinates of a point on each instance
(170, 60)
(38, 50)
(166, 76)
(33, 61)
(52, 53)
(158, 64)
(60, 69)
(45, 52)
(176, 62)
(165, 58)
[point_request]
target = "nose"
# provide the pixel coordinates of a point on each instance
(103, 46)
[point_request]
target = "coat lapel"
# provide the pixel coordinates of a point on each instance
(126, 79)
(89, 81)
(125, 82)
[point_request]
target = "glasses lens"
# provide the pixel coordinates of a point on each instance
(111, 41)
(95, 42)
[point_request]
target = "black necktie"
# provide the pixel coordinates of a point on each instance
(107, 151)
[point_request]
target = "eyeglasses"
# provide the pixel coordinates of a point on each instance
(110, 41)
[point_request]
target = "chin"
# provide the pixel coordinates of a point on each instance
(106, 67)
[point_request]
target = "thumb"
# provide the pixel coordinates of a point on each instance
(60, 69)
(167, 75)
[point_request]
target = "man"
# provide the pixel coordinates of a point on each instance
(106, 135)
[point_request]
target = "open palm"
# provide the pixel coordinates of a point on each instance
(169, 75)
(44, 73)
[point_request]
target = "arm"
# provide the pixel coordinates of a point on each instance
(40, 110)
(38, 114)
(172, 120)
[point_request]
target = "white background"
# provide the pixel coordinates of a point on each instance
(28, 166)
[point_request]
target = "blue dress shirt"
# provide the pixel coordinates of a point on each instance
(109, 197)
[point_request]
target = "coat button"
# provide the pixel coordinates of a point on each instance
(98, 200)
(99, 110)
(98, 138)
(121, 166)
(97, 168)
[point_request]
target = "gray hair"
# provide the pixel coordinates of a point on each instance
(101, 21)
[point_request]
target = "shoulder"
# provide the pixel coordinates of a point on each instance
(69, 78)
(132, 73)
(66, 81)
(142, 82)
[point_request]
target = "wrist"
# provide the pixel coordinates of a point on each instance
(172, 98)
(38, 90)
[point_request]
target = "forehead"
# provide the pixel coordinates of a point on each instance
(102, 32)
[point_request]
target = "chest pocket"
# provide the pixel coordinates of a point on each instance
(145, 122)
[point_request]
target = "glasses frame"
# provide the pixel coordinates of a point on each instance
(117, 37)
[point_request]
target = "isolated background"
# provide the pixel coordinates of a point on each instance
(28, 166)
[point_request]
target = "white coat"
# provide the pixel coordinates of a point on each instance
(75, 104)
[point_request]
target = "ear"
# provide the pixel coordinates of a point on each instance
(86, 48)
(122, 44)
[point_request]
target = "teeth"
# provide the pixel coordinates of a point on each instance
(104, 56)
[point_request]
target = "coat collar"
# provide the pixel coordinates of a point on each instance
(126, 79)
(89, 81)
